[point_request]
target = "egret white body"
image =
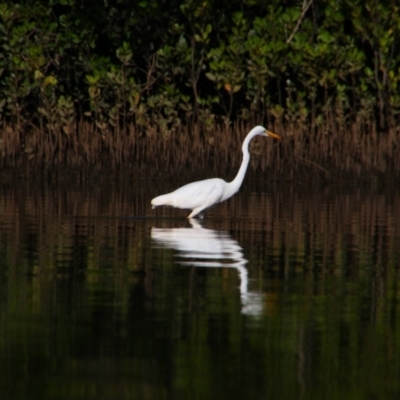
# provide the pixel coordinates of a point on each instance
(201, 195)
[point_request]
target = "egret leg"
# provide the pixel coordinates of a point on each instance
(198, 212)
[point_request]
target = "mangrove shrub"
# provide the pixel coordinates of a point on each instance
(160, 65)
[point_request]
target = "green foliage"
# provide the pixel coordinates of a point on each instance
(164, 64)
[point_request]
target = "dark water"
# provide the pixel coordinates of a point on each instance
(287, 294)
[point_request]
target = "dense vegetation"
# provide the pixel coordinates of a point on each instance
(115, 69)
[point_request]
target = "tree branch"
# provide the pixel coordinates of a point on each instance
(299, 21)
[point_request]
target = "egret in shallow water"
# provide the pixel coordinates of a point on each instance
(201, 195)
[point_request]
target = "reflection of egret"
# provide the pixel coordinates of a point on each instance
(201, 195)
(210, 248)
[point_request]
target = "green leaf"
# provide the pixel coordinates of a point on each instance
(92, 79)
(326, 37)
(50, 81)
(210, 76)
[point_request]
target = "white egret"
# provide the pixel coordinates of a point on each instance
(201, 195)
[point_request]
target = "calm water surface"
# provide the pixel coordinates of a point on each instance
(280, 293)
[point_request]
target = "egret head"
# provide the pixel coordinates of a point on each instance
(260, 130)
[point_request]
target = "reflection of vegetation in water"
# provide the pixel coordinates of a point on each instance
(86, 295)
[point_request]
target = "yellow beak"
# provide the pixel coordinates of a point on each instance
(273, 135)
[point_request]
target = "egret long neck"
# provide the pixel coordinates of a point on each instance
(234, 186)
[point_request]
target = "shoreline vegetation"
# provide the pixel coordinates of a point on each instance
(146, 86)
(331, 154)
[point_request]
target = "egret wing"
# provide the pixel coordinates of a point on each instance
(197, 194)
